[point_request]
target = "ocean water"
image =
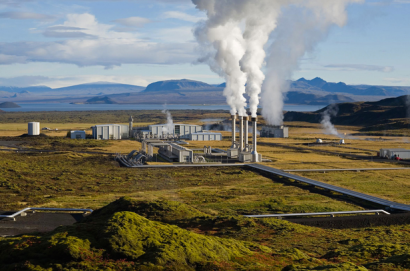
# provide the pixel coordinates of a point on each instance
(27, 107)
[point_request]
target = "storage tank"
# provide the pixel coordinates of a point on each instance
(34, 128)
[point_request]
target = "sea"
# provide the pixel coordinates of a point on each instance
(32, 107)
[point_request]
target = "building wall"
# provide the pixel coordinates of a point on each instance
(179, 129)
(205, 137)
(277, 132)
(78, 135)
(110, 131)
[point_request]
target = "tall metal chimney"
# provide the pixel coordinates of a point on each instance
(233, 130)
(255, 154)
(241, 119)
(246, 120)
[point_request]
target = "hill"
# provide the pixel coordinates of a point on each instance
(99, 88)
(390, 113)
(183, 84)
(100, 100)
(321, 85)
(9, 105)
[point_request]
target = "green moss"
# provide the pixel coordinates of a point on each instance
(334, 267)
(162, 210)
(134, 237)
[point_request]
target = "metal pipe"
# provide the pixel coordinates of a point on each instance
(255, 154)
(44, 209)
(241, 133)
(246, 120)
(324, 213)
(233, 130)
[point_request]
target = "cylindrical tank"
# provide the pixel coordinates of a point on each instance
(34, 128)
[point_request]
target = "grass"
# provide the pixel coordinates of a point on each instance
(209, 202)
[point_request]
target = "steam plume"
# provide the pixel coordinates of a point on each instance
(327, 125)
(300, 28)
(234, 36)
(169, 129)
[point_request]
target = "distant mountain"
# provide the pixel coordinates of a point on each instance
(37, 89)
(392, 112)
(99, 88)
(172, 85)
(294, 97)
(9, 105)
(319, 84)
(100, 100)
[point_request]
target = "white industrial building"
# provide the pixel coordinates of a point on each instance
(110, 131)
(178, 129)
(34, 128)
(392, 153)
(205, 136)
(78, 134)
(275, 131)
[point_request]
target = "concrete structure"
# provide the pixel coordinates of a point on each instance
(275, 131)
(110, 131)
(241, 146)
(255, 156)
(205, 136)
(34, 128)
(176, 153)
(246, 120)
(78, 134)
(392, 153)
(182, 130)
(233, 131)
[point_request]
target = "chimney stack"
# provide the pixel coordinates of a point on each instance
(246, 120)
(233, 130)
(241, 120)
(255, 154)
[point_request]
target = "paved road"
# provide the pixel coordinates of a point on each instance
(37, 222)
(344, 169)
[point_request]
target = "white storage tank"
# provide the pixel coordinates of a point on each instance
(34, 128)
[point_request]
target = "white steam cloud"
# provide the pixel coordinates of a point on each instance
(234, 36)
(327, 125)
(169, 129)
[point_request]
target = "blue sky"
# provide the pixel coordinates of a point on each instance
(66, 42)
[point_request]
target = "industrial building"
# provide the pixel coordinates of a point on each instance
(77, 134)
(205, 136)
(110, 131)
(34, 128)
(275, 131)
(393, 153)
(182, 130)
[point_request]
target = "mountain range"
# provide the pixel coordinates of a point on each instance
(390, 113)
(315, 92)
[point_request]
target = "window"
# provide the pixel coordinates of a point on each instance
(177, 129)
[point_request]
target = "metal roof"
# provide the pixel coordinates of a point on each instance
(160, 125)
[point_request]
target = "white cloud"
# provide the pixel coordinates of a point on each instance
(98, 44)
(26, 16)
(359, 67)
(395, 80)
(182, 16)
(133, 21)
(11, 59)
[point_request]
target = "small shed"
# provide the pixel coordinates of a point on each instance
(275, 131)
(78, 134)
